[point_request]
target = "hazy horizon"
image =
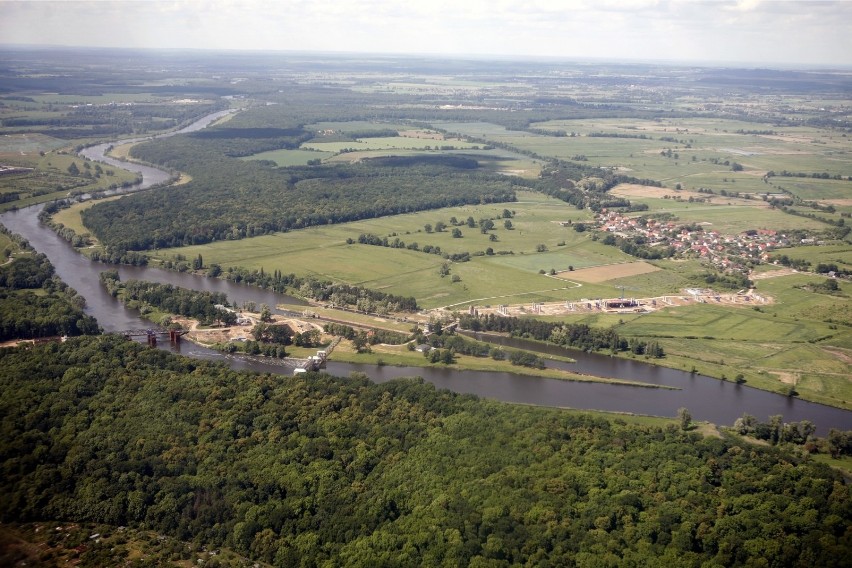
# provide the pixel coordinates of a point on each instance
(795, 33)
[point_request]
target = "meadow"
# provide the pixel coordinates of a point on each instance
(781, 346)
(700, 147)
(284, 158)
(323, 251)
(841, 255)
(388, 143)
(800, 342)
(50, 179)
(410, 142)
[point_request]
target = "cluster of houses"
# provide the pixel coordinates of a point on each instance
(726, 252)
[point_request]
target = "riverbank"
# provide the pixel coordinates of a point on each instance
(715, 401)
(399, 356)
(220, 337)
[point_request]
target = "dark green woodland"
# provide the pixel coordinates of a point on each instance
(316, 469)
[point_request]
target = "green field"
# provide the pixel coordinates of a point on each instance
(28, 143)
(798, 340)
(356, 126)
(841, 255)
(286, 158)
(787, 343)
(105, 98)
(322, 251)
(731, 219)
(387, 143)
(803, 340)
(50, 179)
(698, 141)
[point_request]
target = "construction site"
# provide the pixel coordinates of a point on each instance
(690, 296)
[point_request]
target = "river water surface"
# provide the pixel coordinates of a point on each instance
(706, 398)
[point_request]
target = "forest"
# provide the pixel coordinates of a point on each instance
(306, 470)
(340, 294)
(573, 335)
(202, 306)
(34, 302)
(316, 470)
(232, 199)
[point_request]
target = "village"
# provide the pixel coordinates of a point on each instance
(729, 253)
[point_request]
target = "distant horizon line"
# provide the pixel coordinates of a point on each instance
(783, 66)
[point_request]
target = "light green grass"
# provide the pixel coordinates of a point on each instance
(289, 157)
(29, 143)
(322, 251)
(356, 126)
(391, 142)
(841, 255)
(71, 216)
(731, 219)
(787, 343)
(723, 322)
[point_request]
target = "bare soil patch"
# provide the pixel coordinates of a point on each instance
(772, 274)
(786, 377)
(626, 306)
(843, 355)
(636, 190)
(597, 274)
(236, 332)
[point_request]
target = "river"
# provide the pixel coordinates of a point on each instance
(706, 398)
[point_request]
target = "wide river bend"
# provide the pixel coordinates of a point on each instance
(706, 398)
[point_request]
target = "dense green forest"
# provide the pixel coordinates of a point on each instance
(34, 302)
(231, 199)
(573, 335)
(195, 304)
(313, 470)
(339, 294)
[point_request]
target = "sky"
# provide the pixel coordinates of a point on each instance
(748, 32)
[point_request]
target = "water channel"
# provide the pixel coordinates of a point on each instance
(706, 398)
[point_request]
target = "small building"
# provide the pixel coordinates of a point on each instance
(423, 348)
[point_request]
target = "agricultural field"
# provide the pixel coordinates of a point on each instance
(800, 340)
(334, 144)
(711, 158)
(841, 255)
(284, 158)
(56, 175)
(699, 148)
(537, 221)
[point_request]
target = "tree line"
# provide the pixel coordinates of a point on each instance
(576, 336)
(34, 302)
(232, 199)
(337, 293)
(200, 305)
